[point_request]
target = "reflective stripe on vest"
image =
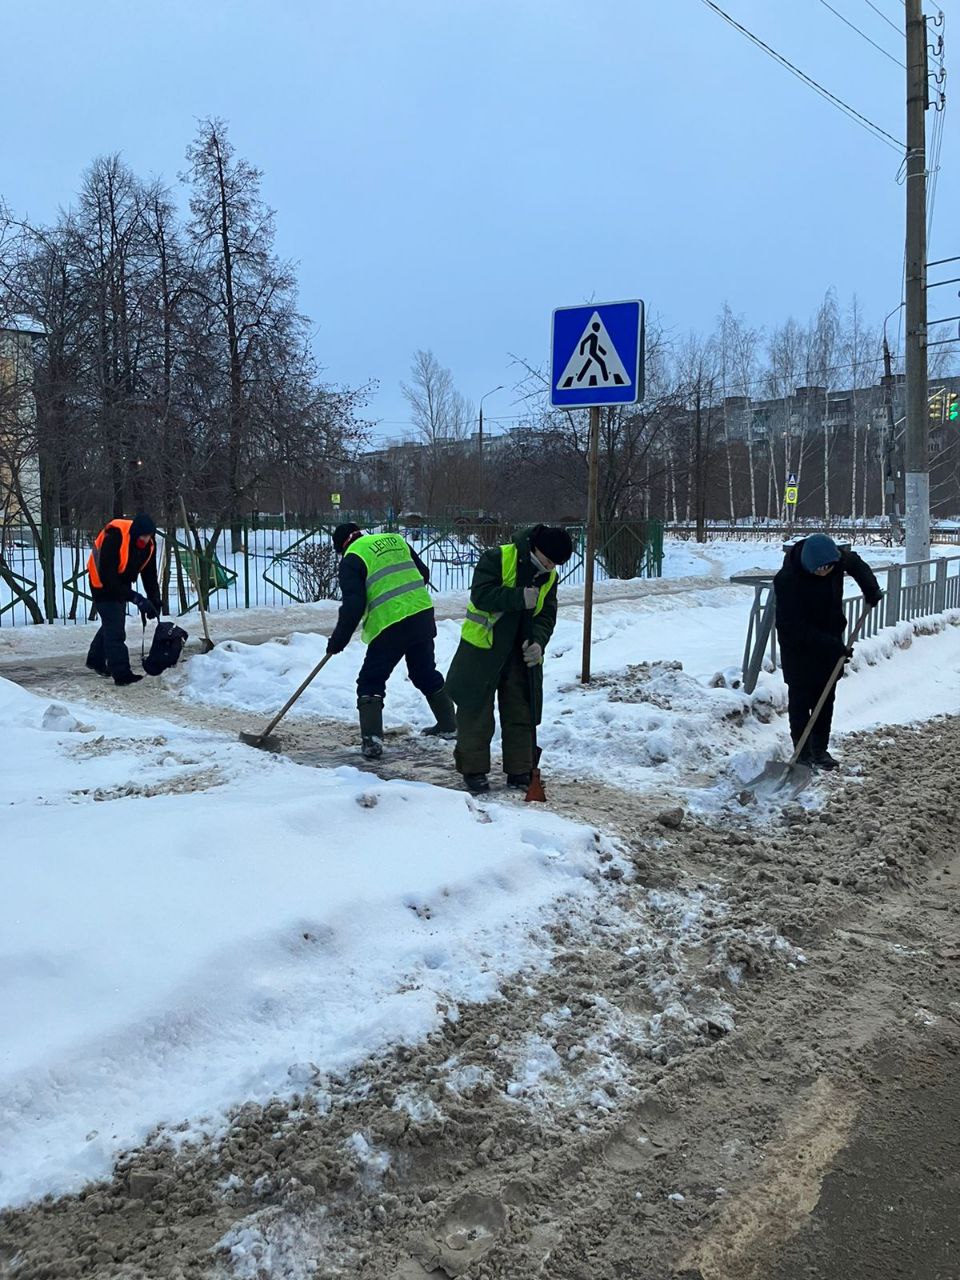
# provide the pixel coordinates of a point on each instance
(478, 625)
(395, 587)
(93, 563)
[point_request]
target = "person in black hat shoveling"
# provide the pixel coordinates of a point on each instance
(383, 584)
(123, 551)
(810, 627)
(510, 619)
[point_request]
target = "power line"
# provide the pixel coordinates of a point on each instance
(886, 138)
(887, 20)
(853, 27)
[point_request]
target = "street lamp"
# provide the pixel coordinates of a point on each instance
(480, 450)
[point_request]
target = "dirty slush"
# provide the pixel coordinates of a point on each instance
(674, 1108)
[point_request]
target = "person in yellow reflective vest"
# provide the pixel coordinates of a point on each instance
(383, 585)
(510, 619)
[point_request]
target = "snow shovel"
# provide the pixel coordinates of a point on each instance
(263, 739)
(206, 644)
(535, 791)
(779, 775)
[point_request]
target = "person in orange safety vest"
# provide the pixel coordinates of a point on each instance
(123, 551)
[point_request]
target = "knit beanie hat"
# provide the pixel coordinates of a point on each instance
(340, 535)
(555, 544)
(142, 526)
(818, 550)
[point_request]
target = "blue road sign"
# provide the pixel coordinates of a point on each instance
(596, 355)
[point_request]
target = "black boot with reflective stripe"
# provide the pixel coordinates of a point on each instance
(371, 726)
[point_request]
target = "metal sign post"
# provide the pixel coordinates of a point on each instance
(591, 549)
(596, 359)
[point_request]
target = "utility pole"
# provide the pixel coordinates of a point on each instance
(592, 486)
(890, 471)
(917, 457)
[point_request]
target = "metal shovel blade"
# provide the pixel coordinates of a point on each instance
(780, 780)
(535, 791)
(265, 741)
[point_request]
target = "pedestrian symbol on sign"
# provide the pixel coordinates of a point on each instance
(594, 362)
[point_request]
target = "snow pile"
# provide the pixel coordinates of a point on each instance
(664, 707)
(256, 921)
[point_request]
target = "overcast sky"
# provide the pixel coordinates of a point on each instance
(448, 171)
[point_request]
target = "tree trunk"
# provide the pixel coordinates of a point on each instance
(730, 500)
(753, 482)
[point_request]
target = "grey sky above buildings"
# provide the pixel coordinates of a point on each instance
(448, 171)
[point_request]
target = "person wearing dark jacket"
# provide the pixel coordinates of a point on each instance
(123, 551)
(383, 584)
(510, 619)
(810, 627)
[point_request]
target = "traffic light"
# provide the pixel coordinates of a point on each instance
(953, 407)
(936, 408)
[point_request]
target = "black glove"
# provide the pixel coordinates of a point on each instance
(848, 653)
(335, 645)
(873, 604)
(145, 606)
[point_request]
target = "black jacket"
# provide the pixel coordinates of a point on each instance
(810, 616)
(353, 593)
(119, 586)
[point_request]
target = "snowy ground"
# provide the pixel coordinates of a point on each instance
(198, 924)
(662, 710)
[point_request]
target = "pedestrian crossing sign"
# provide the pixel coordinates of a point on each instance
(597, 355)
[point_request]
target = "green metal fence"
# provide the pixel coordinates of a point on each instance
(270, 566)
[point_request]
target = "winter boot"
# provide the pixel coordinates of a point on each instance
(476, 783)
(519, 780)
(126, 677)
(441, 704)
(98, 668)
(370, 707)
(823, 759)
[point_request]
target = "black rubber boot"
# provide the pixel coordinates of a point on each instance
(518, 780)
(441, 704)
(127, 677)
(477, 783)
(371, 726)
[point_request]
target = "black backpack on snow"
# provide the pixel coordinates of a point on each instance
(168, 642)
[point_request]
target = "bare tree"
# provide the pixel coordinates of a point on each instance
(442, 418)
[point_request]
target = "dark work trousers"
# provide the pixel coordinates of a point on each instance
(803, 697)
(409, 639)
(109, 648)
(475, 725)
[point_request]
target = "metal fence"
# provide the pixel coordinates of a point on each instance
(274, 565)
(858, 532)
(933, 588)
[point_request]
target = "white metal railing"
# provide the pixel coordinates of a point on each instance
(936, 589)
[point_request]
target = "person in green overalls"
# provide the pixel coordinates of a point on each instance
(510, 619)
(383, 583)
